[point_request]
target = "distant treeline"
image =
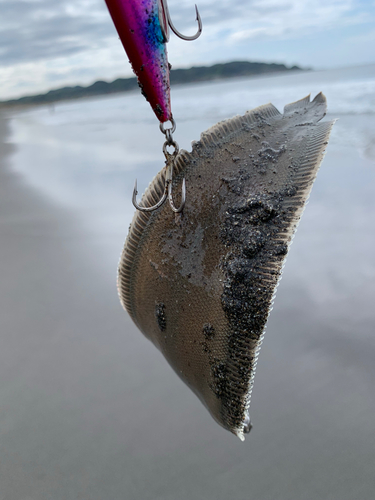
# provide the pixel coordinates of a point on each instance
(177, 76)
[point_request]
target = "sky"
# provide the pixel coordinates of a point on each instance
(47, 44)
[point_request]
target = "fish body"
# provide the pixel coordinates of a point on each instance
(200, 285)
(138, 25)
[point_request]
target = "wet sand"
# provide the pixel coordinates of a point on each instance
(89, 409)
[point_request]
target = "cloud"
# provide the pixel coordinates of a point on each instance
(297, 18)
(43, 29)
(56, 42)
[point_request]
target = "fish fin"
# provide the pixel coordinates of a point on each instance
(314, 111)
(251, 118)
(311, 153)
(139, 222)
(297, 105)
(311, 158)
(267, 110)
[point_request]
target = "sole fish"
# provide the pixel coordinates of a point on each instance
(200, 285)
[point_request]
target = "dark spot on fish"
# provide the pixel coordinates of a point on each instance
(236, 184)
(205, 347)
(256, 209)
(289, 191)
(236, 269)
(261, 120)
(160, 316)
(281, 250)
(253, 241)
(208, 331)
(303, 124)
(218, 372)
(132, 32)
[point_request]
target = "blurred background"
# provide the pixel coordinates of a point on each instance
(89, 409)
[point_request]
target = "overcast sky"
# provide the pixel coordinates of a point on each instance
(47, 44)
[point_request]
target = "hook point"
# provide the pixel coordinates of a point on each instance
(166, 23)
(183, 197)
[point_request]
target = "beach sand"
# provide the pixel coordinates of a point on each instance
(90, 410)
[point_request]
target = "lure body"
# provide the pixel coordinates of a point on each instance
(138, 25)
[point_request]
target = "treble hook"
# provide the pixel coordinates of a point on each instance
(166, 23)
(167, 192)
(183, 196)
(168, 176)
(154, 207)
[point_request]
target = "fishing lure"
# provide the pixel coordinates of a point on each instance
(144, 29)
(201, 286)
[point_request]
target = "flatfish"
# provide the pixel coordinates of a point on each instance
(200, 285)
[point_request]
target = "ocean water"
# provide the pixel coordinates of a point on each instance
(89, 152)
(99, 414)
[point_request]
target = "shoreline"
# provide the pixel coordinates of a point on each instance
(193, 75)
